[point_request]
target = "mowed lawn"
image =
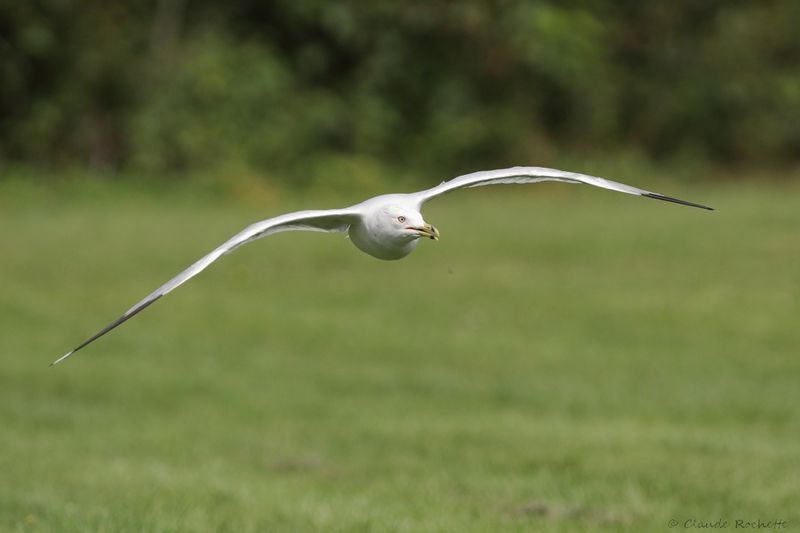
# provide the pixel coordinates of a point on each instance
(563, 359)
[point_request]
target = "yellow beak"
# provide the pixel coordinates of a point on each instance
(429, 231)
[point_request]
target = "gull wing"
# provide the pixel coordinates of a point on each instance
(536, 175)
(327, 220)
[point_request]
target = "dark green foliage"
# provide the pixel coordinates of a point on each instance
(178, 85)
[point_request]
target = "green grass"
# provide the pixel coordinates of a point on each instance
(563, 359)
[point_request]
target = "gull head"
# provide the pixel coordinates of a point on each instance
(391, 231)
(402, 224)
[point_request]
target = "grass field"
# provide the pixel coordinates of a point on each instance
(563, 359)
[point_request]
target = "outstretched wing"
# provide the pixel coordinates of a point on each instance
(328, 220)
(535, 175)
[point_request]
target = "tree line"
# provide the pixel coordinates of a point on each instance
(174, 86)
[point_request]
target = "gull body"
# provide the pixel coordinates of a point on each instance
(390, 226)
(387, 227)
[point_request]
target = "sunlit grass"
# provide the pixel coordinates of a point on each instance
(562, 359)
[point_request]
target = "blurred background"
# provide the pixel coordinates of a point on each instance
(290, 91)
(563, 359)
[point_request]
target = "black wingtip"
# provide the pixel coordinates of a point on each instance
(675, 200)
(129, 314)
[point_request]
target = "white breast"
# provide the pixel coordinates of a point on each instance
(371, 240)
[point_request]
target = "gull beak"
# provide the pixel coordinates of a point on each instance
(427, 231)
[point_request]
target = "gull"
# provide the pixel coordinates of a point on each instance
(387, 227)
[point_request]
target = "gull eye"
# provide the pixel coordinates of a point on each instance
(401, 219)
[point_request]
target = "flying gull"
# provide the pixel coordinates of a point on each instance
(387, 227)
